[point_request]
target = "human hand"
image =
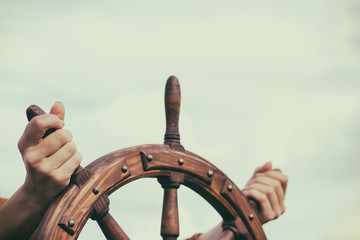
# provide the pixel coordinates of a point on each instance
(267, 187)
(51, 161)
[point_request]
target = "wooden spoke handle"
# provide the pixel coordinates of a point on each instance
(33, 111)
(172, 110)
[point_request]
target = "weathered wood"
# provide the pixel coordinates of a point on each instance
(247, 214)
(111, 228)
(107, 223)
(179, 162)
(172, 166)
(100, 207)
(172, 110)
(107, 175)
(80, 176)
(170, 214)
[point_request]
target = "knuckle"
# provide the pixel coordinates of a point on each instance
(259, 196)
(37, 121)
(68, 134)
(277, 186)
(268, 190)
(71, 148)
(58, 179)
(269, 215)
(75, 161)
(78, 158)
(262, 198)
(64, 135)
(277, 212)
(248, 192)
(43, 170)
(270, 193)
(255, 181)
(272, 215)
(60, 136)
(30, 158)
(31, 169)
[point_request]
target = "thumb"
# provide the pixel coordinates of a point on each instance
(266, 167)
(59, 110)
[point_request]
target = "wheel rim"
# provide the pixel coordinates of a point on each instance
(87, 196)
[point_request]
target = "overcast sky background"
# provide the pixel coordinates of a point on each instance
(261, 81)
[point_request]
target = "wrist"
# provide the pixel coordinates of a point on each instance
(34, 199)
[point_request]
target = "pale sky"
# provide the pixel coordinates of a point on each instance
(261, 81)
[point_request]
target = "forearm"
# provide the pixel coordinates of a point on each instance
(49, 164)
(212, 233)
(216, 233)
(20, 215)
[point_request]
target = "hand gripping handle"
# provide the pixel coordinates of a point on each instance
(33, 111)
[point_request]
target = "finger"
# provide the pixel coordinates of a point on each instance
(68, 167)
(273, 183)
(59, 110)
(280, 177)
(266, 167)
(37, 127)
(270, 194)
(54, 142)
(266, 213)
(62, 155)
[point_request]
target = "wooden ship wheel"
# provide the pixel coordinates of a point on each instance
(173, 166)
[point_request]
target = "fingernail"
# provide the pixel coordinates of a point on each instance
(62, 123)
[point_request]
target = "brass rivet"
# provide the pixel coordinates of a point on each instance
(210, 173)
(149, 158)
(230, 187)
(71, 223)
(181, 161)
(124, 169)
(95, 190)
(251, 217)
